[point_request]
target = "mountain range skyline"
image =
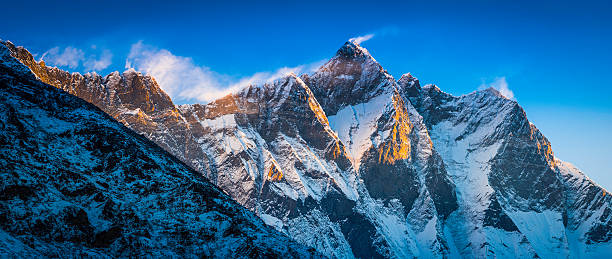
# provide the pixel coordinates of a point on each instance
(552, 55)
(306, 129)
(383, 167)
(172, 70)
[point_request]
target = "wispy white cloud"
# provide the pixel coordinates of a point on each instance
(360, 39)
(69, 56)
(384, 31)
(501, 85)
(186, 81)
(178, 76)
(72, 58)
(101, 62)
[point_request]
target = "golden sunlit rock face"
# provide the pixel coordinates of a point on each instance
(543, 145)
(222, 106)
(129, 89)
(38, 68)
(338, 149)
(274, 174)
(398, 146)
(316, 108)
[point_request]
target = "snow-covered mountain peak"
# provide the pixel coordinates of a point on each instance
(490, 91)
(408, 82)
(432, 87)
(131, 72)
(352, 50)
(352, 76)
(407, 77)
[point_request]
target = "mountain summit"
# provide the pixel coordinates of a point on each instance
(352, 50)
(356, 164)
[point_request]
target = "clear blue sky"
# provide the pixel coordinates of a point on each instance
(556, 57)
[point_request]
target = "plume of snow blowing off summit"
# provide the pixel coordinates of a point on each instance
(360, 39)
(501, 85)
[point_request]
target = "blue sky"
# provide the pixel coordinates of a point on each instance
(554, 56)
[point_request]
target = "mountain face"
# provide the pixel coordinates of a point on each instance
(76, 183)
(356, 164)
(513, 193)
